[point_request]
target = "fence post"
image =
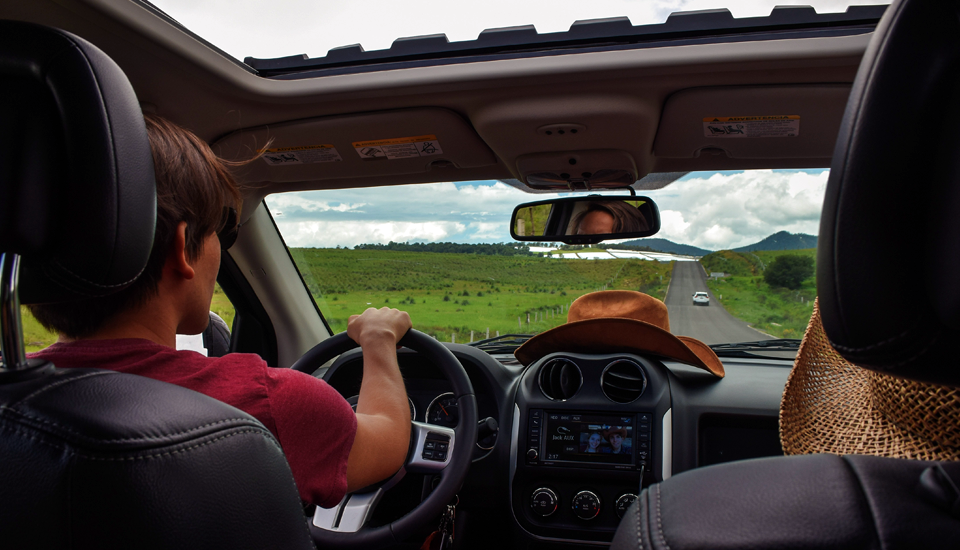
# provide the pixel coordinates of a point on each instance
(488, 332)
(471, 336)
(519, 323)
(453, 337)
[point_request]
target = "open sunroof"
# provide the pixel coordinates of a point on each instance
(614, 33)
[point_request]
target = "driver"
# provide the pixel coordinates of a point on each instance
(330, 449)
(609, 218)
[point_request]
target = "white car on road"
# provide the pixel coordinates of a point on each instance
(701, 299)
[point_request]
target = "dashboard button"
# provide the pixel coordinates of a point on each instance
(586, 505)
(543, 502)
(532, 455)
(624, 502)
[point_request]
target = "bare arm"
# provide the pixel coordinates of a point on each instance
(383, 415)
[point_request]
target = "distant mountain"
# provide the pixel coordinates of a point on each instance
(663, 245)
(782, 241)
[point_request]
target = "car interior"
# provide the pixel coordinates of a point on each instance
(95, 459)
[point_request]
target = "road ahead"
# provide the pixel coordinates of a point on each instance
(709, 324)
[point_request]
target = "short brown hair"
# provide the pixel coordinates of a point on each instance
(626, 218)
(193, 186)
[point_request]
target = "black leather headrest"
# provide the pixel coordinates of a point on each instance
(77, 190)
(889, 249)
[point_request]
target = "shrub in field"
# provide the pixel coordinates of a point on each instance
(788, 271)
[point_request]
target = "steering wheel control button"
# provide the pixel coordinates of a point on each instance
(435, 447)
(543, 502)
(624, 502)
(586, 505)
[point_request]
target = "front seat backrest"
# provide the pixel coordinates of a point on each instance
(91, 458)
(893, 187)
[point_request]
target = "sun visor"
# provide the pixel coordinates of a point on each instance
(388, 143)
(752, 122)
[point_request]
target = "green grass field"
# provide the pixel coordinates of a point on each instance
(446, 294)
(779, 312)
(449, 294)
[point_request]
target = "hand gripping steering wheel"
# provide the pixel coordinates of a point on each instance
(343, 525)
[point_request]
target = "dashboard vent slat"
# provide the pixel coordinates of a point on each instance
(623, 381)
(560, 379)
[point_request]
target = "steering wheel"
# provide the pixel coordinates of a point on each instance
(343, 525)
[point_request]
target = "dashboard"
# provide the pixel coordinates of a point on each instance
(572, 439)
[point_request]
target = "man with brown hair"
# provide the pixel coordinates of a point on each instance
(330, 449)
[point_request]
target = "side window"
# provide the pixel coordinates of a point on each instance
(222, 306)
(215, 340)
(35, 337)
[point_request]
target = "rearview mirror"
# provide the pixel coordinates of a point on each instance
(585, 220)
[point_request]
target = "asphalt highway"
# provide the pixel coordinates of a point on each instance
(709, 324)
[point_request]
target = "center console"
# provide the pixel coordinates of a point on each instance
(588, 434)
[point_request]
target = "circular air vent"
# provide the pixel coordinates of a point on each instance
(560, 379)
(623, 381)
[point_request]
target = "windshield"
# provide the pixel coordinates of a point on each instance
(292, 27)
(442, 252)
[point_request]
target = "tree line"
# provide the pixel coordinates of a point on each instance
(482, 249)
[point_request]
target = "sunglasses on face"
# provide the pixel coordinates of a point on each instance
(229, 228)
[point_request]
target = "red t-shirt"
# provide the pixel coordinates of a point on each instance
(314, 424)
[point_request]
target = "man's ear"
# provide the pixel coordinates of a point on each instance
(177, 254)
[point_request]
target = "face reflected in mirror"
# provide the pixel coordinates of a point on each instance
(610, 217)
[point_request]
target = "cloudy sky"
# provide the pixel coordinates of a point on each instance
(289, 27)
(713, 211)
(710, 210)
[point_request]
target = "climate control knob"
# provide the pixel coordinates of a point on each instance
(624, 502)
(543, 502)
(586, 505)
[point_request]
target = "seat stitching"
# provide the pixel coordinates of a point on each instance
(64, 445)
(61, 382)
(171, 453)
(663, 538)
(120, 439)
(639, 523)
(866, 499)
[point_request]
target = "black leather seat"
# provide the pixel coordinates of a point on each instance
(90, 458)
(894, 186)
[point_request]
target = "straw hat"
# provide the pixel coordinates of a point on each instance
(832, 406)
(611, 321)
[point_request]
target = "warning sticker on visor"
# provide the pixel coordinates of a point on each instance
(752, 126)
(399, 148)
(308, 154)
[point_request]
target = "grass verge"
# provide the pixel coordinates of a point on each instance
(779, 312)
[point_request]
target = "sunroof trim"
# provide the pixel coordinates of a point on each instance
(617, 30)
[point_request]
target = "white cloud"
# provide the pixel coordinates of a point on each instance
(325, 234)
(290, 27)
(731, 210)
(710, 210)
(280, 202)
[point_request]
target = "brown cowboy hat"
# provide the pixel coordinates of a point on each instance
(612, 321)
(830, 405)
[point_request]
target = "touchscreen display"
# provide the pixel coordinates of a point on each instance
(591, 438)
